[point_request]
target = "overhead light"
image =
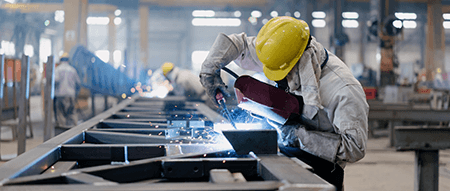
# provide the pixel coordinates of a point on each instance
(350, 23)
(446, 16)
(117, 12)
(287, 14)
(318, 23)
(117, 20)
(446, 24)
(264, 21)
(8, 48)
(274, 14)
(216, 22)
(59, 16)
(203, 13)
(403, 16)
(319, 14)
(297, 14)
(11, 1)
(237, 14)
(256, 14)
(97, 20)
(409, 24)
(350, 15)
(397, 24)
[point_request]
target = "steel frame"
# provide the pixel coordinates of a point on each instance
(426, 143)
(125, 153)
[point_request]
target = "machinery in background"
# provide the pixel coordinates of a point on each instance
(97, 76)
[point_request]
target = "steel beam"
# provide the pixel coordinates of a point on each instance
(23, 104)
(426, 170)
(410, 115)
(110, 152)
(49, 128)
(60, 167)
(2, 76)
(83, 178)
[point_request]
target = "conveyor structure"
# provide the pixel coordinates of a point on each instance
(152, 144)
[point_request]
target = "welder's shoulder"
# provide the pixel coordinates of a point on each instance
(337, 73)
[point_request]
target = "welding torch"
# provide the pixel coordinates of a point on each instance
(221, 100)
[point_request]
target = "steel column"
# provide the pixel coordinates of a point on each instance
(426, 170)
(435, 39)
(111, 37)
(23, 104)
(75, 26)
(49, 128)
(143, 24)
(2, 77)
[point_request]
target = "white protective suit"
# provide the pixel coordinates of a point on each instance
(185, 83)
(334, 100)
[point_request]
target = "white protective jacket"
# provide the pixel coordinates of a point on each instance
(67, 81)
(185, 83)
(341, 111)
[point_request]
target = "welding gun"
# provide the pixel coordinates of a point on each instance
(221, 100)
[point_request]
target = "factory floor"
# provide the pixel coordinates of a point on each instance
(382, 168)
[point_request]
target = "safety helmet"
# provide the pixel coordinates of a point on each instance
(64, 57)
(280, 44)
(167, 67)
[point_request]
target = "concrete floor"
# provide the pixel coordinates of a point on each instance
(381, 169)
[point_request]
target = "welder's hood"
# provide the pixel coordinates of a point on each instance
(264, 99)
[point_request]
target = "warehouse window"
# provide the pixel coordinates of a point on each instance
(103, 55)
(28, 50)
(59, 16)
(197, 58)
(8, 48)
(117, 56)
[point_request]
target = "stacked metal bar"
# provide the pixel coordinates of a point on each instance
(152, 144)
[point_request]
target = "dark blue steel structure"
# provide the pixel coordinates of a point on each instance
(97, 76)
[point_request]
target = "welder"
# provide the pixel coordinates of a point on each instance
(184, 82)
(332, 127)
(67, 87)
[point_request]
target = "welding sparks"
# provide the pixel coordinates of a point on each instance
(159, 133)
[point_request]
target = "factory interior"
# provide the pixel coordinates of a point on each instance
(203, 95)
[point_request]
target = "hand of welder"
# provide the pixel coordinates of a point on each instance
(213, 84)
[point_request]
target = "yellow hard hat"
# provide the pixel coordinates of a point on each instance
(167, 67)
(64, 57)
(280, 44)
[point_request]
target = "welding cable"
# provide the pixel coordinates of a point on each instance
(230, 72)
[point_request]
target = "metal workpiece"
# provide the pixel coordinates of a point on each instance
(425, 141)
(262, 141)
(108, 152)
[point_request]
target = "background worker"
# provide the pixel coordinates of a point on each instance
(67, 86)
(335, 107)
(184, 82)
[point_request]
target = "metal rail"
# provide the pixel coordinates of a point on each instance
(168, 151)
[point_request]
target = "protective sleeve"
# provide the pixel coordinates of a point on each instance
(351, 120)
(346, 142)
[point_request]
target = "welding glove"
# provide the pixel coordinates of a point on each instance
(320, 121)
(221, 53)
(322, 144)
